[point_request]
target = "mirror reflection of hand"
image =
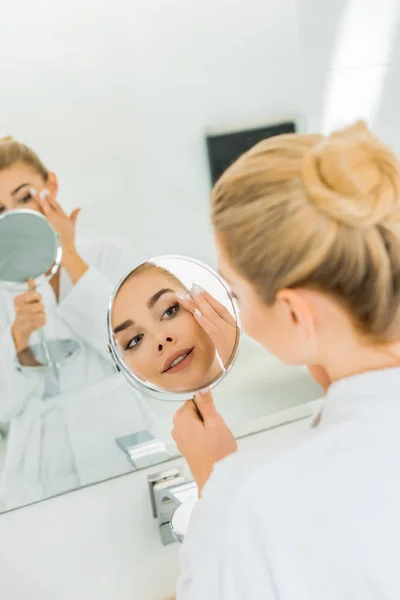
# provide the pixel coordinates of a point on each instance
(202, 443)
(64, 225)
(214, 318)
(29, 317)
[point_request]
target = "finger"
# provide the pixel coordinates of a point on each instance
(209, 327)
(29, 297)
(31, 284)
(51, 199)
(186, 301)
(74, 215)
(185, 411)
(37, 322)
(33, 323)
(47, 209)
(197, 294)
(187, 417)
(205, 403)
(219, 308)
(31, 309)
(49, 205)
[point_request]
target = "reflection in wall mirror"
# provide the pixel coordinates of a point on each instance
(225, 147)
(120, 134)
(30, 251)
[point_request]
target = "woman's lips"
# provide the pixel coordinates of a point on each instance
(182, 362)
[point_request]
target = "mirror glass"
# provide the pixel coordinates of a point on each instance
(115, 154)
(30, 254)
(20, 230)
(173, 327)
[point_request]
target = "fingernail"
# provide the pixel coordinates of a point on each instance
(204, 391)
(197, 289)
(43, 194)
(197, 313)
(33, 191)
(182, 296)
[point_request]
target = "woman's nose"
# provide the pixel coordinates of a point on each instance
(165, 342)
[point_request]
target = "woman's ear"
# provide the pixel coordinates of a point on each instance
(52, 185)
(299, 310)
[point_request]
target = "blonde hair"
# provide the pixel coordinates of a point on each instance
(318, 212)
(13, 152)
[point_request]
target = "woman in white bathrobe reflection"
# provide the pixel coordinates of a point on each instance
(51, 447)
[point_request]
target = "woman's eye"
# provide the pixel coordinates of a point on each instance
(171, 311)
(25, 199)
(134, 342)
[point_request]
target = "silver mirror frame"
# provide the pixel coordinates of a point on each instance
(12, 285)
(151, 389)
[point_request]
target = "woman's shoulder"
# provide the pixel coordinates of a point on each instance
(250, 483)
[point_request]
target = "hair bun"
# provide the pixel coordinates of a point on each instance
(353, 178)
(8, 138)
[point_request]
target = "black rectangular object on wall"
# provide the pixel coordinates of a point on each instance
(223, 149)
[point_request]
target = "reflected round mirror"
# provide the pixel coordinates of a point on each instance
(30, 250)
(173, 327)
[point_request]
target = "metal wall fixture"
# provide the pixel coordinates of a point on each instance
(168, 490)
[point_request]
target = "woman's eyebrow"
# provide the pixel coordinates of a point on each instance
(150, 304)
(155, 298)
(123, 326)
(19, 188)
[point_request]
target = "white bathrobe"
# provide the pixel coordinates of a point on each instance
(58, 442)
(322, 522)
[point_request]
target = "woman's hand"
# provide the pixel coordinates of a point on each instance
(320, 376)
(214, 318)
(65, 226)
(202, 444)
(29, 317)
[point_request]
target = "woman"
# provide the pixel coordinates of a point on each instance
(308, 235)
(158, 333)
(59, 440)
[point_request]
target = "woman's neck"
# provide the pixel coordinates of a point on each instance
(55, 284)
(352, 359)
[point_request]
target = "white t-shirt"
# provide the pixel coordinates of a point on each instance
(320, 523)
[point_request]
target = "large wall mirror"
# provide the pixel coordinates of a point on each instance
(146, 110)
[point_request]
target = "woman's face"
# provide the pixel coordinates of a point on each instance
(280, 328)
(158, 340)
(16, 183)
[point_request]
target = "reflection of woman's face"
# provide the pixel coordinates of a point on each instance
(15, 185)
(160, 341)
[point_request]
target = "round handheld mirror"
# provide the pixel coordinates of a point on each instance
(173, 327)
(30, 249)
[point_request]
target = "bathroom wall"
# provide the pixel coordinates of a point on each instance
(101, 542)
(116, 96)
(351, 64)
